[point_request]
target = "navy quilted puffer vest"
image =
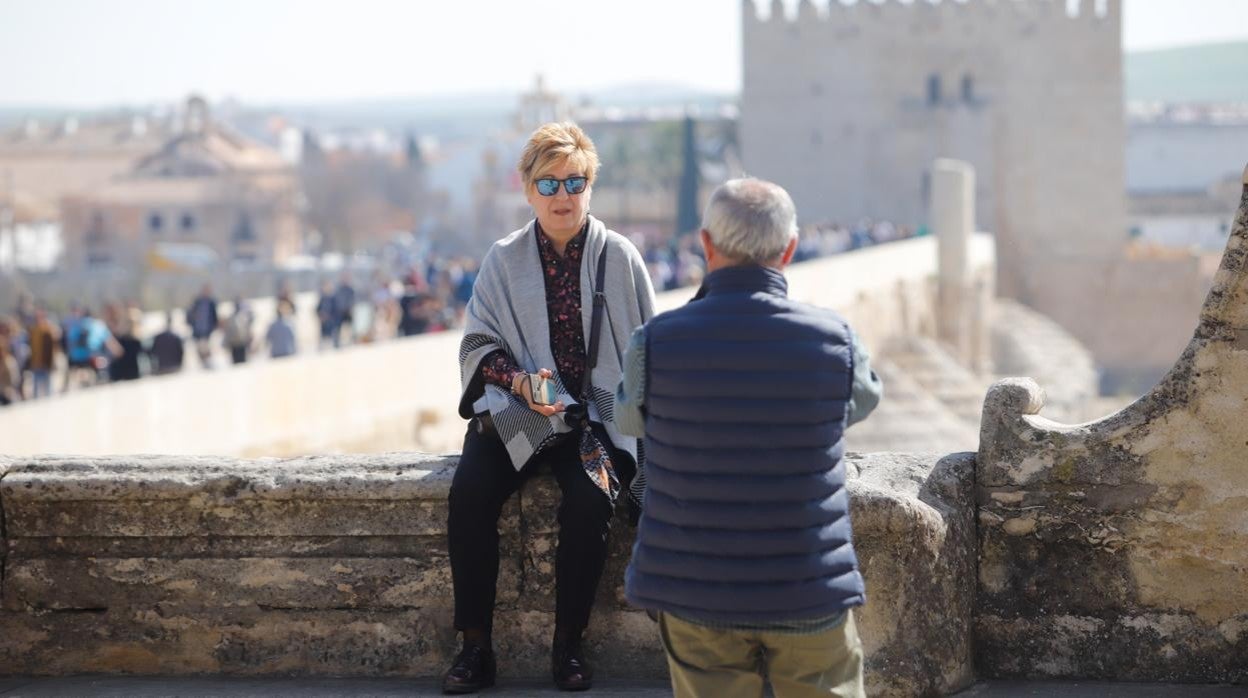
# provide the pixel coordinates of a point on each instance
(747, 517)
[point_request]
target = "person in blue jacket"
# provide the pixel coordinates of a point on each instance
(744, 547)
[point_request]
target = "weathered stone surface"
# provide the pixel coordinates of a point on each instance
(1118, 549)
(190, 496)
(914, 533)
(338, 566)
(256, 642)
(188, 585)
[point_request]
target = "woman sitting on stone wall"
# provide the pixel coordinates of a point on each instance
(539, 391)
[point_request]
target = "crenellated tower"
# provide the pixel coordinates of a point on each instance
(847, 105)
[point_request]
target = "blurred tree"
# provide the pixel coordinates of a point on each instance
(687, 218)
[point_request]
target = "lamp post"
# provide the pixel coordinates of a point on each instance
(7, 217)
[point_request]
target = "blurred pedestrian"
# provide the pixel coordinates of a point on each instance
(327, 316)
(125, 365)
(9, 368)
(238, 331)
(167, 349)
(344, 307)
(281, 334)
(44, 346)
(202, 318)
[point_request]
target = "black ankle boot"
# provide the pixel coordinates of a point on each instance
(472, 670)
(568, 665)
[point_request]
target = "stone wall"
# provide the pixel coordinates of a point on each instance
(1008, 75)
(1026, 343)
(1135, 315)
(404, 392)
(1115, 549)
(1119, 548)
(337, 565)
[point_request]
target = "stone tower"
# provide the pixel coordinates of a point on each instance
(847, 105)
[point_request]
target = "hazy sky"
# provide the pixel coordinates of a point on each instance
(98, 52)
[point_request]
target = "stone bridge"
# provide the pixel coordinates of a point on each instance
(1114, 549)
(402, 394)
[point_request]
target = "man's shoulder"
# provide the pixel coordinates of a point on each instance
(817, 311)
(794, 311)
(673, 314)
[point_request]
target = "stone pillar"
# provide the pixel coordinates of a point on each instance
(952, 208)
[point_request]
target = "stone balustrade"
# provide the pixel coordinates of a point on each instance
(338, 566)
(1119, 548)
(404, 392)
(1115, 549)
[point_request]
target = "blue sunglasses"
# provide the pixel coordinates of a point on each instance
(549, 186)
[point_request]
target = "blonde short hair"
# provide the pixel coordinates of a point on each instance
(554, 142)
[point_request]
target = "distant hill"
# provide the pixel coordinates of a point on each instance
(446, 116)
(1204, 73)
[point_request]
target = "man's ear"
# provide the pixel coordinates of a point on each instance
(708, 247)
(788, 253)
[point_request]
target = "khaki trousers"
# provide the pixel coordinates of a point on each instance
(709, 663)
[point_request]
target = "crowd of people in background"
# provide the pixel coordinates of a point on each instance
(680, 264)
(41, 354)
(823, 239)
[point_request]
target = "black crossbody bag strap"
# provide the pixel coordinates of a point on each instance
(595, 323)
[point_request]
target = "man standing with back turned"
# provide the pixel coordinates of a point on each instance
(743, 396)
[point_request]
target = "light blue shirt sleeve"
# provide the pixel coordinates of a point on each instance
(630, 415)
(868, 388)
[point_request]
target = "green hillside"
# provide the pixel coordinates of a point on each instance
(1205, 73)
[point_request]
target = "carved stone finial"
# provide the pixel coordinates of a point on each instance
(1013, 396)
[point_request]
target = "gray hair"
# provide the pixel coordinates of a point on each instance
(751, 220)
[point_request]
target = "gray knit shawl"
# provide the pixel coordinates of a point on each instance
(508, 312)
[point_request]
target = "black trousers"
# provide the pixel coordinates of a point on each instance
(483, 481)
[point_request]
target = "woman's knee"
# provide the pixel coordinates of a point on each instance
(586, 510)
(480, 484)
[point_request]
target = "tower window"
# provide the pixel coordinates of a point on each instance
(243, 231)
(968, 88)
(155, 222)
(933, 90)
(187, 222)
(95, 232)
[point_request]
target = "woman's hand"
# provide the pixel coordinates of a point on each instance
(520, 386)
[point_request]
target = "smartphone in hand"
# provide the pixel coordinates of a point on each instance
(541, 389)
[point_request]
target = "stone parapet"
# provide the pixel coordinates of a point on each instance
(402, 393)
(337, 566)
(1118, 549)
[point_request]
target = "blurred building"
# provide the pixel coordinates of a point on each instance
(539, 106)
(362, 191)
(1183, 172)
(42, 162)
(846, 106)
(203, 197)
(498, 202)
(643, 154)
